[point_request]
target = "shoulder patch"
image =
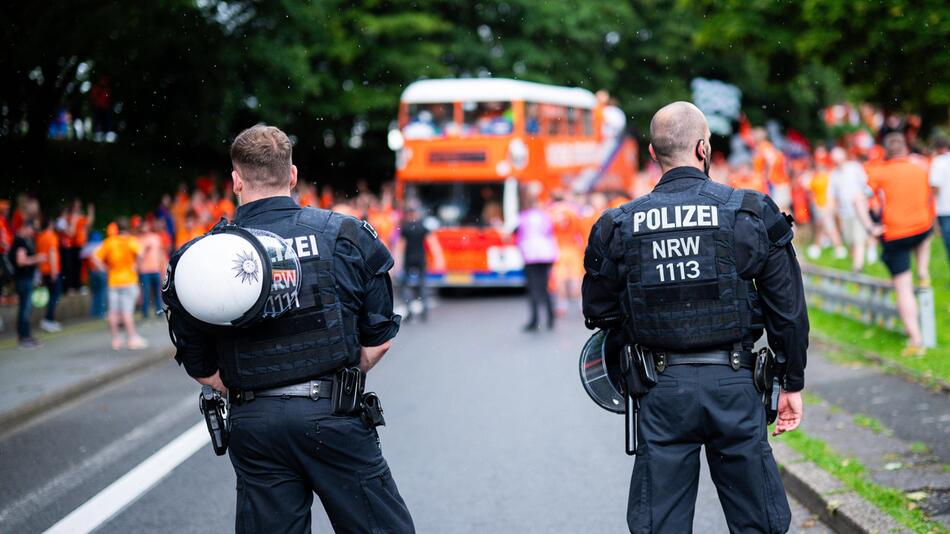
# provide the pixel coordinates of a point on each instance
(369, 228)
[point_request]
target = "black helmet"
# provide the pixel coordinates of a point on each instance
(600, 369)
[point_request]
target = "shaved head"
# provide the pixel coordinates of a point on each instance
(675, 132)
(895, 145)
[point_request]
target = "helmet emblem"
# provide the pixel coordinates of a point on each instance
(245, 268)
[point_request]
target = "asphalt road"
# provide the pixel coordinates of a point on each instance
(488, 430)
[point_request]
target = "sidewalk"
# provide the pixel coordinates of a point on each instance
(68, 364)
(879, 435)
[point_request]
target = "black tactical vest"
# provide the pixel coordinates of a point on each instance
(312, 339)
(682, 289)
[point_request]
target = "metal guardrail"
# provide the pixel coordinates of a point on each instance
(866, 299)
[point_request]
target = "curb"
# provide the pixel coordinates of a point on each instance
(888, 364)
(23, 414)
(825, 496)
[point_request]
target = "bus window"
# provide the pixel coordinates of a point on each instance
(429, 120)
(532, 117)
(554, 118)
(460, 204)
(572, 121)
(488, 118)
(587, 117)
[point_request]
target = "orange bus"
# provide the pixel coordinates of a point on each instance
(464, 146)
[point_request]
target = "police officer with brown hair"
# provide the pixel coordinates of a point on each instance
(295, 376)
(692, 273)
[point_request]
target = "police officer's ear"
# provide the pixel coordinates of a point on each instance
(653, 154)
(702, 151)
(293, 176)
(237, 182)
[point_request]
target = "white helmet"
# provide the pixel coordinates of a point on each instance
(233, 276)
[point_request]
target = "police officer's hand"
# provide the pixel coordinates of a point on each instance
(214, 381)
(790, 411)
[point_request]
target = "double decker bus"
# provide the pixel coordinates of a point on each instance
(465, 146)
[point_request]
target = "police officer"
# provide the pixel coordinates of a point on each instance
(286, 443)
(692, 273)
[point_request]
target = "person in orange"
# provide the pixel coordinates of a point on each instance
(826, 231)
(769, 162)
(152, 262)
(744, 178)
(907, 219)
(51, 269)
(569, 267)
(76, 234)
(118, 256)
(188, 230)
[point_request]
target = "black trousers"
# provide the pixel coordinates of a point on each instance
(715, 407)
(414, 287)
(285, 449)
(536, 278)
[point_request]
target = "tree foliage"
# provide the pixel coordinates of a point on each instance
(186, 75)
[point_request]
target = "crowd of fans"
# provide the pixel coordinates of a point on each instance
(853, 199)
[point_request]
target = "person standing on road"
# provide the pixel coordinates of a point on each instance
(535, 239)
(24, 257)
(940, 182)
(691, 273)
(414, 237)
(288, 441)
(903, 189)
(118, 255)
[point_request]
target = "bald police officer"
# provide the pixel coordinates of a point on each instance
(287, 440)
(692, 273)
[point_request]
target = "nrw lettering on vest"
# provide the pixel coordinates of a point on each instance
(672, 217)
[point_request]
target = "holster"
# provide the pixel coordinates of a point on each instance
(347, 395)
(372, 413)
(214, 408)
(638, 370)
(765, 378)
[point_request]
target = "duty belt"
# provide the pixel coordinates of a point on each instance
(315, 389)
(736, 359)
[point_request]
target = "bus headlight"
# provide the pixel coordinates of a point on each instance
(395, 140)
(518, 153)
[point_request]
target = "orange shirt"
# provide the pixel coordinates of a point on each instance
(568, 227)
(753, 181)
(120, 253)
(184, 235)
(770, 163)
(153, 254)
(384, 222)
(48, 243)
(81, 235)
(904, 192)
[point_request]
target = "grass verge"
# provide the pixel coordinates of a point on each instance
(887, 344)
(854, 476)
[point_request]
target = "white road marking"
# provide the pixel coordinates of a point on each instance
(110, 501)
(31, 503)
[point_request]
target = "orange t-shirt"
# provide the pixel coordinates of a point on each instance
(120, 253)
(81, 234)
(904, 192)
(48, 243)
(183, 236)
(753, 181)
(153, 254)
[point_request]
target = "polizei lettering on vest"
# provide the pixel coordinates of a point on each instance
(671, 217)
(305, 246)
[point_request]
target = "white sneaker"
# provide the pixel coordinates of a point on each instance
(814, 251)
(50, 326)
(841, 253)
(872, 255)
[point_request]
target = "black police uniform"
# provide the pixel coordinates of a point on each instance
(693, 272)
(286, 448)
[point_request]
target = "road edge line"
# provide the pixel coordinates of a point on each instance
(23, 414)
(843, 510)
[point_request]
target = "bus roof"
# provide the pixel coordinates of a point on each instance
(495, 90)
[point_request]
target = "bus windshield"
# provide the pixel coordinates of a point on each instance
(460, 204)
(488, 118)
(430, 120)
